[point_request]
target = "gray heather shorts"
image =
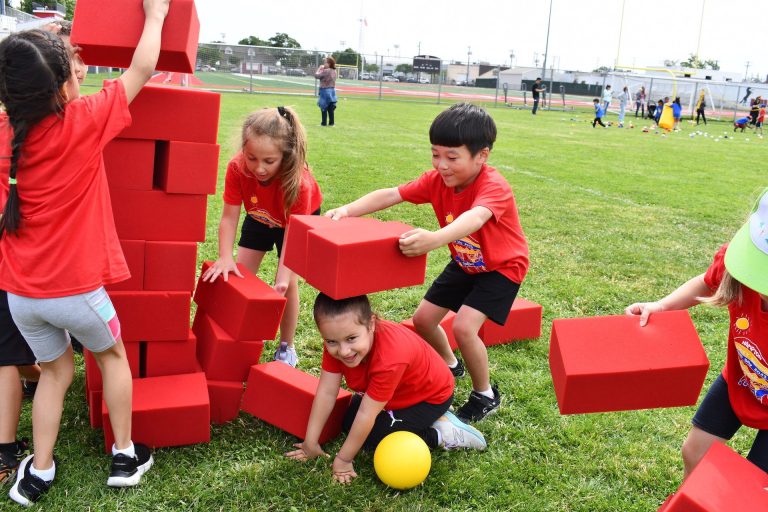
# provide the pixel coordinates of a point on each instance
(46, 323)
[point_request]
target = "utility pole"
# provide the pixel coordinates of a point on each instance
(746, 72)
(469, 52)
(546, 48)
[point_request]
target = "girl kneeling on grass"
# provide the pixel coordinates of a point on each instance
(401, 383)
(738, 279)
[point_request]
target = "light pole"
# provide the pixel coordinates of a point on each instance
(511, 57)
(469, 52)
(546, 48)
(250, 56)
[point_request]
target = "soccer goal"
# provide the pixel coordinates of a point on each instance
(347, 71)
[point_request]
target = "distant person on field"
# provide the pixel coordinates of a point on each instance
(742, 122)
(326, 95)
(538, 88)
(754, 109)
(677, 113)
(624, 98)
(640, 102)
(607, 97)
(700, 107)
(599, 113)
(760, 119)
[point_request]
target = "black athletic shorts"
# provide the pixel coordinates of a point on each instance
(14, 350)
(260, 237)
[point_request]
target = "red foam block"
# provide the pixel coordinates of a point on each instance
(130, 163)
(610, 363)
(354, 259)
(222, 357)
(171, 357)
(170, 266)
(295, 242)
(108, 37)
(94, 407)
(246, 308)
(172, 113)
(272, 385)
(93, 378)
(723, 480)
(167, 411)
(150, 316)
(133, 250)
(155, 215)
(523, 323)
(225, 397)
(187, 167)
(446, 324)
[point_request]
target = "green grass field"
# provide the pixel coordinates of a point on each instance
(612, 216)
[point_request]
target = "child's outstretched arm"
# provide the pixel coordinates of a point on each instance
(230, 215)
(369, 203)
(343, 469)
(148, 50)
(420, 241)
(322, 405)
(687, 295)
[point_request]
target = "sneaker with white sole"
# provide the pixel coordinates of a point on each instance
(286, 354)
(479, 406)
(10, 460)
(28, 488)
(458, 371)
(456, 434)
(126, 471)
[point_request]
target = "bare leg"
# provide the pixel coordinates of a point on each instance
(291, 314)
(10, 403)
(250, 258)
(466, 325)
(695, 446)
(426, 320)
(55, 378)
(118, 391)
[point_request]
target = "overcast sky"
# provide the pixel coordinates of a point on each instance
(584, 33)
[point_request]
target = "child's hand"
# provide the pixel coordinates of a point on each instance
(337, 213)
(306, 451)
(417, 242)
(221, 267)
(644, 309)
(343, 471)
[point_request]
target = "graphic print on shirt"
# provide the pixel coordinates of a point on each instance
(469, 254)
(751, 361)
(262, 215)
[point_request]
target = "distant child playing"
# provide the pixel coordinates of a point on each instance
(269, 176)
(401, 384)
(677, 113)
(737, 279)
(599, 113)
(742, 122)
(57, 206)
(478, 221)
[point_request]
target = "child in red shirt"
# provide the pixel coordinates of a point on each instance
(401, 384)
(738, 279)
(478, 221)
(58, 246)
(270, 177)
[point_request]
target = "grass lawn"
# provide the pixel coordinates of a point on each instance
(612, 216)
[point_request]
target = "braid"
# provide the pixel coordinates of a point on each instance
(9, 223)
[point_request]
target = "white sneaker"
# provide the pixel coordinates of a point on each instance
(456, 434)
(286, 354)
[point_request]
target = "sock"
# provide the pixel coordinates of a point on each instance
(487, 393)
(8, 447)
(454, 365)
(130, 452)
(43, 474)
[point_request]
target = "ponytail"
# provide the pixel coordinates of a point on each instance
(728, 291)
(9, 223)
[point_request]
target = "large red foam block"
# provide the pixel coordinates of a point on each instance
(172, 113)
(171, 357)
(151, 316)
(133, 250)
(352, 257)
(446, 324)
(523, 323)
(130, 163)
(93, 378)
(610, 363)
(170, 266)
(272, 385)
(94, 407)
(221, 356)
(109, 37)
(225, 397)
(167, 411)
(187, 167)
(723, 480)
(155, 215)
(246, 308)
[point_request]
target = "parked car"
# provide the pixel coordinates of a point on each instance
(411, 80)
(423, 80)
(208, 68)
(366, 76)
(389, 78)
(295, 72)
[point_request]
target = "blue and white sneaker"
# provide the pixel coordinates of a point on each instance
(286, 354)
(456, 434)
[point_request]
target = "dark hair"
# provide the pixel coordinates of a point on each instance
(596, 100)
(34, 67)
(331, 62)
(463, 124)
(326, 307)
(677, 100)
(66, 27)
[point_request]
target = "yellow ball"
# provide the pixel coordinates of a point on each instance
(402, 460)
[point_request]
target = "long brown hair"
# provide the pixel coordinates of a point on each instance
(282, 125)
(729, 291)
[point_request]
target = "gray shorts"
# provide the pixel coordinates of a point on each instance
(46, 323)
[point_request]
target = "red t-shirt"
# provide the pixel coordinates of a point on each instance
(401, 369)
(746, 370)
(500, 244)
(66, 241)
(264, 203)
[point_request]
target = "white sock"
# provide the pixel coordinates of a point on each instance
(130, 452)
(46, 475)
(454, 365)
(487, 393)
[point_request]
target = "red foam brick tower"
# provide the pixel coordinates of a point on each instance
(221, 356)
(225, 399)
(272, 385)
(610, 363)
(723, 480)
(108, 37)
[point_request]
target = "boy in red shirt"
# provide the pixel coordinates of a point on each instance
(401, 384)
(478, 221)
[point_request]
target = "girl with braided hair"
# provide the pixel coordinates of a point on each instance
(58, 245)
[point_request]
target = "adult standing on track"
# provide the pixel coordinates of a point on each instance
(326, 98)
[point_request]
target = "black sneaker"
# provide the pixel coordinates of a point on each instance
(458, 371)
(479, 406)
(9, 461)
(28, 388)
(126, 471)
(28, 488)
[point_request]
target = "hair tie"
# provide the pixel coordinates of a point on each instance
(11, 181)
(282, 112)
